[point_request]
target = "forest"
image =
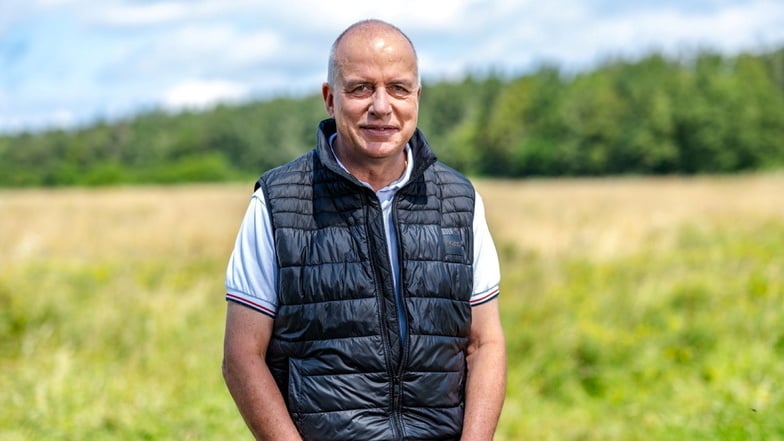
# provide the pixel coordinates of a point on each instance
(698, 113)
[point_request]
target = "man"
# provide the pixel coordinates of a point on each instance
(363, 285)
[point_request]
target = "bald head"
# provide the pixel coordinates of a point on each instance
(365, 30)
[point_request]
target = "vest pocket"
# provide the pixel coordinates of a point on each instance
(295, 390)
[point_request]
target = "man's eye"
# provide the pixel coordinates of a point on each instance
(399, 91)
(361, 90)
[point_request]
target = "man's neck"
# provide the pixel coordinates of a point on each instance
(376, 172)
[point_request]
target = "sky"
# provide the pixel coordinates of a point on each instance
(69, 63)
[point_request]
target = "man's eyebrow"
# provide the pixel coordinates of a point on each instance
(348, 83)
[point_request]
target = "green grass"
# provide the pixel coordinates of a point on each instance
(113, 330)
(686, 343)
(113, 350)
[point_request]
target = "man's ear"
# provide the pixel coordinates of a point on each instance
(329, 99)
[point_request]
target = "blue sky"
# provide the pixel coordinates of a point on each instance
(65, 63)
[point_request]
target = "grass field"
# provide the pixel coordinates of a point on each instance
(634, 308)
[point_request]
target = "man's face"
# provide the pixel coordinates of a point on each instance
(375, 99)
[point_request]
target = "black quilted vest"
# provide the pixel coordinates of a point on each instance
(336, 353)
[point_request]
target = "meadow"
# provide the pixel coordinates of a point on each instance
(634, 309)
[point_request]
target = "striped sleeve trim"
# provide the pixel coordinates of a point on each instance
(486, 296)
(250, 304)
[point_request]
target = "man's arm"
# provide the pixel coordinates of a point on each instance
(486, 381)
(248, 377)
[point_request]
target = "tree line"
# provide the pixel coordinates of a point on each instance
(701, 113)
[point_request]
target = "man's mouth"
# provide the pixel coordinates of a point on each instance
(380, 130)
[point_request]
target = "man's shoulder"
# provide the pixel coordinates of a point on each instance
(444, 174)
(289, 173)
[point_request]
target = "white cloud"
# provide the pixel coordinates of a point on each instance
(577, 35)
(125, 54)
(60, 118)
(139, 15)
(199, 94)
(219, 44)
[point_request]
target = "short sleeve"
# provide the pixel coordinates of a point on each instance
(487, 273)
(251, 275)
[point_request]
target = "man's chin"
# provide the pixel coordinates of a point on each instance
(383, 149)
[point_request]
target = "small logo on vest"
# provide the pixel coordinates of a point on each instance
(453, 244)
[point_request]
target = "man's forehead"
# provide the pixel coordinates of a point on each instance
(375, 36)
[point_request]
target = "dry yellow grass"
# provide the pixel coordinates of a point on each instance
(592, 217)
(120, 222)
(601, 218)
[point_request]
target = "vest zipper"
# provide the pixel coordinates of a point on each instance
(400, 294)
(402, 319)
(394, 375)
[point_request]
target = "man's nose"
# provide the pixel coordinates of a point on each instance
(380, 104)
